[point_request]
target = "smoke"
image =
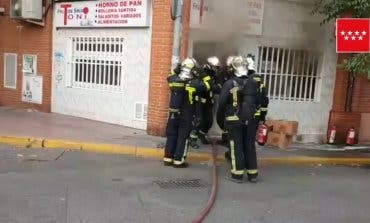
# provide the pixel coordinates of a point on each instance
(223, 22)
(221, 17)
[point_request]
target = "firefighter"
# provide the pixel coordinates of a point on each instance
(224, 74)
(184, 87)
(205, 102)
(238, 105)
(263, 100)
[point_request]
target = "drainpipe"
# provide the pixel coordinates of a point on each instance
(176, 15)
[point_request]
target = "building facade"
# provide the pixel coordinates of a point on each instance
(109, 60)
(294, 54)
(25, 60)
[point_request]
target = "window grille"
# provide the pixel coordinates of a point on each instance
(10, 70)
(290, 74)
(97, 63)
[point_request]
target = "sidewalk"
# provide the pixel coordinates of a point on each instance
(35, 129)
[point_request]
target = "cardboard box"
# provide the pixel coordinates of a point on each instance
(279, 139)
(282, 126)
(270, 124)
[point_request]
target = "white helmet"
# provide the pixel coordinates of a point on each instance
(239, 66)
(250, 63)
(229, 60)
(186, 68)
(213, 61)
(189, 62)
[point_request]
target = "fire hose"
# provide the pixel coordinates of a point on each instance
(211, 200)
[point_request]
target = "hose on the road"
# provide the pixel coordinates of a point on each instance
(200, 217)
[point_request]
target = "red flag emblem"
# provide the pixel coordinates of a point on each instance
(353, 35)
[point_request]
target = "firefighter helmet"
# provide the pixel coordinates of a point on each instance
(239, 66)
(186, 68)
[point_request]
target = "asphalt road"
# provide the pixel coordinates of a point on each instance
(56, 186)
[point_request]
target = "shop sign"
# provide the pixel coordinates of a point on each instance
(107, 13)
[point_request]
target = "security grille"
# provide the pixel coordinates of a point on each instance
(10, 70)
(290, 74)
(97, 63)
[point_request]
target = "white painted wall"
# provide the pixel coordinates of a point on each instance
(289, 24)
(111, 107)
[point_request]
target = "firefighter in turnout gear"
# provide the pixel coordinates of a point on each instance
(263, 100)
(184, 88)
(205, 101)
(237, 107)
(224, 74)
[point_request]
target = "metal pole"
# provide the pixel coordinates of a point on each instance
(176, 48)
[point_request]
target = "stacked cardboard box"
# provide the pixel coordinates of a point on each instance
(281, 132)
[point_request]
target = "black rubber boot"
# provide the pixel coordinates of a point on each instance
(203, 139)
(227, 156)
(183, 165)
(253, 178)
(225, 137)
(167, 163)
(235, 180)
(193, 143)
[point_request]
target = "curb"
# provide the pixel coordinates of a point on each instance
(157, 153)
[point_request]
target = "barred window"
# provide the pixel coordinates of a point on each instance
(97, 63)
(290, 74)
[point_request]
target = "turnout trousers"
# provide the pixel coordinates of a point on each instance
(243, 149)
(178, 130)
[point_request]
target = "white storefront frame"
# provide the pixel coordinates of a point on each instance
(116, 107)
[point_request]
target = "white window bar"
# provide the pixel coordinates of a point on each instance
(95, 68)
(292, 77)
(271, 66)
(276, 73)
(281, 77)
(76, 78)
(114, 84)
(286, 76)
(73, 61)
(88, 64)
(311, 78)
(100, 55)
(307, 74)
(83, 72)
(317, 83)
(296, 74)
(120, 75)
(265, 70)
(301, 76)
